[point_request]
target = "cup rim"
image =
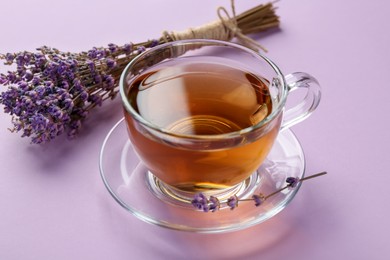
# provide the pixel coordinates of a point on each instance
(257, 54)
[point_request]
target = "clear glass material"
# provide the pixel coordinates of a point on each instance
(299, 112)
(155, 169)
(204, 160)
(127, 179)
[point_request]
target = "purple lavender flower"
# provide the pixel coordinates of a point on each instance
(3, 79)
(55, 112)
(232, 202)
(84, 95)
(201, 202)
(112, 47)
(28, 76)
(214, 204)
(108, 82)
(51, 92)
(21, 59)
(12, 77)
(110, 63)
(141, 49)
(95, 99)
(9, 57)
(40, 61)
(91, 65)
(23, 86)
(258, 199)
(127, 48)
(39, 122)
(292, 181)
(93, 53)
(68, 104)
(154, 43)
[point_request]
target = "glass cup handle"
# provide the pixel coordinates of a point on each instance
(306, 106)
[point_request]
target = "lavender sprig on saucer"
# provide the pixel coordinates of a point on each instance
(201, 202)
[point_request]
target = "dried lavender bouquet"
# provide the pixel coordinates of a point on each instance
(50, 91)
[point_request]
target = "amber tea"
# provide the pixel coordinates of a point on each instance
(191, 99)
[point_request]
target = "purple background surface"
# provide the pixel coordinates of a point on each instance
(54, 205)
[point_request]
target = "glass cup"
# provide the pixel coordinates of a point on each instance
(202, 115)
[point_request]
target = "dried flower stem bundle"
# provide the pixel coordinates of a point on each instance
(52, 91)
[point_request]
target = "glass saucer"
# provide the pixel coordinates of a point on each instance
(127, 180)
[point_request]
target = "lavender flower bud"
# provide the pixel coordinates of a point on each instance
(292, 181)
(128, 48)
(214, 204)
(232, 202)
(110, 63)
(84, 95)
(20, 61)
(9, 57)
(92, 54)
(27, 57)
(75, 125)
(68, 104)
(55, 111)
(39, 122)
(78, 87)
(112, 47)
(141, 49)
(40, 91)
(97, 79)
(65, 85)
(35, 81)
(95, 99)
(28, 75)
(23, 86)
(11, 77)
(16, 110)
(61, 68)
(258, 199)
(200, 202)
(109, 82)
(3, 79)
(101, 54)
(39, 59)
(41, 102)
(32, 94)
(79, 112)
(36, 139)
(27, 102)
(91, 65)
(59, 91)
(154, 43)
(60, 129)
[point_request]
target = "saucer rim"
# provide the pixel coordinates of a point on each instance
(188, 228)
